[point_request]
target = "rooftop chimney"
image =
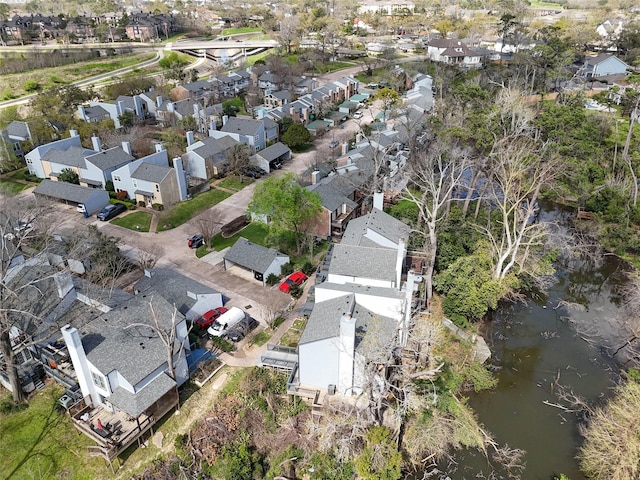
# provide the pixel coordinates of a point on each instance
(159, 147)
(95, 140)
(347, 352)
(190, 139)
(73, 133)
(126, 146)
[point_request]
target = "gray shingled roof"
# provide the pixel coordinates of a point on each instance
(127, 101)
(251, 255)
(274, 152)
(324, 321)
(136, 404)
(173, 287)
(72, 156)
(151, 172)
(113, 158)
(364, 262)
(332, 198)
(135, 352)
(95, 112)
(241, 126)
(18, 129)
(64, 191)
(213, 146)
(379, 222)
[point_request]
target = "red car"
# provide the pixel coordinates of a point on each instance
(296, 278)
(207, 318)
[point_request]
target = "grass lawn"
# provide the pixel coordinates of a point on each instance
(292, 336)
(184, 211)
(12, 188)
(41, 442)
(237, 31)
(260, 56)
(20, 175)
(235, 183)
(261, 338)
(49, 77)
(254, 232)
(133, 220)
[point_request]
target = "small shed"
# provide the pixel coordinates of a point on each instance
(318, 127)
(348, 107)
(93, 199)
(260, 261)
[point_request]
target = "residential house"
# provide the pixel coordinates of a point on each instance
(453, 52)
(48, 298)
(152, 100)
(208, 157)
(194, 90)
(149, 181)
(396, 7)
(246, 130)
(121, 362)
(361, 312)
(170, 112)
(145, 27)
(246, 256)
(338, 208)
(16, 134)
(93, 167)
(189, 296)
(602, 65)
(277, 99)
(97, 111)
(92, 114)
(81, 29)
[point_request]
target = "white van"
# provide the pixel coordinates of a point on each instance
(226, 321)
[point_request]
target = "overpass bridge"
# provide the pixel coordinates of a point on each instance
(222, 50)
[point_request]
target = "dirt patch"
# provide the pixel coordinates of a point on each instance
(234, 226)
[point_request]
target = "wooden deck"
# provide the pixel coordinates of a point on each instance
(119, 430)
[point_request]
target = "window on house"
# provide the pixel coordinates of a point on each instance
(98, 380)
(116, 178)
(135, 184)
(157, 187)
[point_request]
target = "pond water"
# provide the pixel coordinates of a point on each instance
(566, 337)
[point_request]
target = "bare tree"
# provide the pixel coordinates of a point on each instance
(238, 159)
(208, 225)
(289, 28)
(21, 295)
(436, 174)
(270, 310)
(168, 334)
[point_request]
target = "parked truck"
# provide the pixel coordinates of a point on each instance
(226, 322)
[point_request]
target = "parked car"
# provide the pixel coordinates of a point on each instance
(226, 322)
(357, 115)
(254, 172)
(243, 329)
(296, 278)
(276, 165)
(209, 317)
(333, 144)
(111, 211)
(196, 241)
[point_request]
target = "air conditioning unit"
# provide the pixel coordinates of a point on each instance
(331, 389)
(66, 401)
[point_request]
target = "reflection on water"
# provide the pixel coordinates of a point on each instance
(556, 340)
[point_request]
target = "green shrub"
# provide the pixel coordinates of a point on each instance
(31, 86)
(222, 344)
(295, 291)
(307, 268)
(7, 405)
(141, 203)
(157, 206)
(272, 279)
(109, 186)
(287, 269)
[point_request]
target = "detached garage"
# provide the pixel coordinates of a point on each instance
(93, 199)
(260, 261)
(265, 159)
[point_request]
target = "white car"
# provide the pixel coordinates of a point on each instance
(357, 115)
